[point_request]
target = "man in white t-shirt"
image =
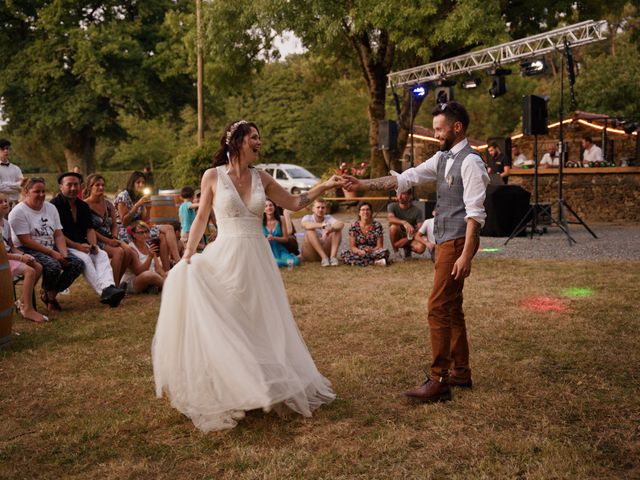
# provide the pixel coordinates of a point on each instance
(322, 236)
(518, 158)
(592, 153)
(10, 174)
(426, 237)
(551, 157)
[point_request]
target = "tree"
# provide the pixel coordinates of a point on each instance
(381, 35)
(70, 68)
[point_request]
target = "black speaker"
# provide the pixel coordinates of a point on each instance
(534, 115)
(387, 135)
(504, 144)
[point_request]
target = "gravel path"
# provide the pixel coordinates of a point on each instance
(614, 242)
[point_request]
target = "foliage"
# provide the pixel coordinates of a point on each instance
(609, 83)
(71, 67)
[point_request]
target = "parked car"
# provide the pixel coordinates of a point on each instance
(293, 178)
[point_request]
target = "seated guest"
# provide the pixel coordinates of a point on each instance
(425, 235)
(37, 231)
(322, 236)
(145, 274)
(103, 215)
(131, 205)
(365, 240)
(592, 153)
(10, 174)
(276, 232)
(404, 219)
(21, 264)
(550, 158)
(292, 242)
(77, 227)
(517, 157)
(210, 231)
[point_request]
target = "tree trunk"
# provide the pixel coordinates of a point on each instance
(79, 150)
(375, 63)
(377, 97)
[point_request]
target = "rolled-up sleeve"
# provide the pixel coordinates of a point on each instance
(474, 180)
(423, 173)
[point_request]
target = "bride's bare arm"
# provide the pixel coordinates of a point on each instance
(207, 187)
(288, 201)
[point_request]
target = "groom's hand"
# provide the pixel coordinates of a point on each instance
(351, 184)
(462, 268)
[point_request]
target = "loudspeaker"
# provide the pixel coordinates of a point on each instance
(534, 115)
(504, 144)
(387, 135)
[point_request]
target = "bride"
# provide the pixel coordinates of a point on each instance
(226, 341)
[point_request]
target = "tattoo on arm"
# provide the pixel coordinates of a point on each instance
(303, 200)
(383, 183)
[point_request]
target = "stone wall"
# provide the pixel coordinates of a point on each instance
(610, 195)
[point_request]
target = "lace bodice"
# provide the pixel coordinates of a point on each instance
(232, 215)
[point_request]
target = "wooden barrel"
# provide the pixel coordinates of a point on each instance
(163, 210)
(6, 298)
(173, 193)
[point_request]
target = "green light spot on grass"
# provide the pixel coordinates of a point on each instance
(577, 292)
(490, 249)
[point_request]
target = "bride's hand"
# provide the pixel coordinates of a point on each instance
(186, 256)
(334, 181)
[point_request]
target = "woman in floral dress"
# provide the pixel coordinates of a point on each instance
(365, 240)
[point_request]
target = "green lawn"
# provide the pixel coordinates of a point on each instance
(556, 394)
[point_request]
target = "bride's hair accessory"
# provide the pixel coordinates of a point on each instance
(233, 129)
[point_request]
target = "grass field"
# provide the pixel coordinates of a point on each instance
(556, 393)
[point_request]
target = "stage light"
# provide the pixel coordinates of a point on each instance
(444, 91)
(470, 83)
(419, 91)
(533, 67)
(498, 87)
(498, 83)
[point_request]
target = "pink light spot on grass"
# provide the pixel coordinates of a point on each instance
(544, 304)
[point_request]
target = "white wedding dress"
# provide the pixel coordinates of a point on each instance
(226, 341)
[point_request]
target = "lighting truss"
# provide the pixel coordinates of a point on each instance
(578, 34)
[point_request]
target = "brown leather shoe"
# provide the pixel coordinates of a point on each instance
(430, 392)
(459, 381)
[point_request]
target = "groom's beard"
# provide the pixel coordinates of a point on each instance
(447, 143)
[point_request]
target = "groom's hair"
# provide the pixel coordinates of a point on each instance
(454, 111)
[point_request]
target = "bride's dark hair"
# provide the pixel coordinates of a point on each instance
(231, 141)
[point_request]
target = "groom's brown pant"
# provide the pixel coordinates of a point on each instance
(449, 347)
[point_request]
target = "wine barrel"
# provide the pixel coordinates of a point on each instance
(173, 193)
(6, 298)
(163, 210)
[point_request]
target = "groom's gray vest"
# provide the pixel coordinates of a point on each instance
(449, 222)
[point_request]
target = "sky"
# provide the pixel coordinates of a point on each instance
(288, 43)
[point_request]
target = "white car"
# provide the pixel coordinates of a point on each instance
(293, 178)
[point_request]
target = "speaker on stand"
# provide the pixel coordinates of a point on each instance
(534, 122)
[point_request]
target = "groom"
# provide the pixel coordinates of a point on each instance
(461, 181)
